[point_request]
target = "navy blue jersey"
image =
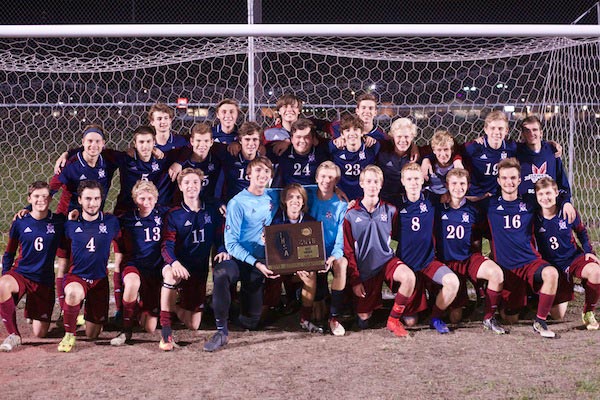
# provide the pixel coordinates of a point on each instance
(298, 168)
(416, 246)
(511, 226)
(221, 137)
(140, 240)
(188, 236)
(376, 133)
(455, 230)
(483, 161)
(76, 170)
(234, 168)
(351, 164)
(211, 166)
(277, 132)
(556, 241)
(37, 241)
(173, 143)
(391, 164)
(535, 166)
(89, 245)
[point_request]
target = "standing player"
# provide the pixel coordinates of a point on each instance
(327, 207)
(289, 107)
(366, 110)
(353, 157)
(89, 239)
(142, 260)
(36, 236)
(247, 213)
(190, 231)
(160, 116)
(227, 112)
(511, 224)
(368, 228)
(444, 158)
(455, 230)
(557, 244)
(416, 245)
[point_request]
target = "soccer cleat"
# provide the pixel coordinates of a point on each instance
(491, 324)
(67, 343)
(310, 327)
(439, 325)
(336, 328)
(216, 342)
(395, 326)
(80, 320)
(589, 320)
(11, 342)
(167, 345)
(540, 326)
(121, 339)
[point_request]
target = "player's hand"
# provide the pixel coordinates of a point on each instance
(445, 198)
(591, 257)
(234, 148)
(174, 171)
(414, 152)
(479, 140)
(569, 211)
(60, 163)
(280, 146)
(458, 164)
(558, 147)
(223, 256)
(130, 151)
(359, 290)
(329, 263)
(179, 271)
(158, 153)
(351, 204)
(339, 142)
(20, 214)
(369, 141)
(303, 274)
(340, 193)
(73, 215)
(426, 169)
(266, 271)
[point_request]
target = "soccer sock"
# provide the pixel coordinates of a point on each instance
(222, 326)
(165, 322)
(592, 293)
(70, 314)
(9, 316)
(305, 313)
(118, 290)
(128, 314)
(492, 298)
(363, 323)
(545, 305)
(400, 302)
(337, 302)
(436, 312)
(60, 292)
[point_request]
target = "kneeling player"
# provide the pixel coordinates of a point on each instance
(367, 234)
(455, 231)
(142, 260)
(189, 234)
(557, 244)
(32, 273)
(90, 237)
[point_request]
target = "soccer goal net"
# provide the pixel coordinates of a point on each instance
(51, 87)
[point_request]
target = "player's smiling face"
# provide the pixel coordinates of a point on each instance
(509, 180)
(496, 130)
(546, 197)
(302, 140)
(457, 186)
(353, 137)
(93, 143)
(227, 115)
(90, 200)
(290, 112)
(371, 184)
(293, 203)
(260, 175)
(327, 179)
(161, 121)
(413, 182)
(201, 143)
(144, 144)
(532, 133)
(39, 200)
(190, 186)
(402, 140)
(145, 202)
(250, 145)
(443, 154)
(366, 111)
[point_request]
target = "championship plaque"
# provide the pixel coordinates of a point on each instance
(295, 247)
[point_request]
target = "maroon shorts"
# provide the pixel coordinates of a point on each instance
(468, 268)
(516, 281)
(149, 291)
(373, 286)
(564, 292)
(40, 298)
(96, 297)
(192, 292)
(426, 283)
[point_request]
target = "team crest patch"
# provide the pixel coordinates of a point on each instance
(465, 218)
(102, 228)
(423, 207)
(211, 167)
(311, 158)
(207, 219)
(384, 217)
(50, 229)
(101, 173)
(328, 215)
(562, 224)
(155, 166)
(522, 207)
(503, 155)
(157, 220)
(361, 155)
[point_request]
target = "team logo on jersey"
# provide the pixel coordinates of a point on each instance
(157, 220)
(444, 217)
(537, 173)
(82, 177)
(211, 167)
(50, 229)
(500, 208)
(562, 224)
(27, 230)
(139, 223)
(101, 173)
(328, 215)
(155, 166)
(358, 219)
(403, 211)
(522, 207)
(361, 155)
(78, 230)
(465, 217)
(102, 228)
(423, 207)
(207, 219)
(311, 158)
(187, 223)
(503, 155)
(483, 157)
(384, 217)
